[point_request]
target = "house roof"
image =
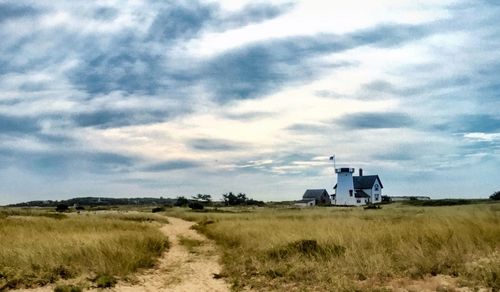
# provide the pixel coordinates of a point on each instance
(366, 181)
(315, 193)
(361, 194)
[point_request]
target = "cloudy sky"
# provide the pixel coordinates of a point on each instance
(168, 98)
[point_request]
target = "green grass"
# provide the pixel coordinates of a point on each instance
(36, 249)
(346, 249)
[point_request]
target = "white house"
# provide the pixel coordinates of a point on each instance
(356, 190)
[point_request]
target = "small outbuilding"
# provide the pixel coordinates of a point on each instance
(306, 203)
(320, 196)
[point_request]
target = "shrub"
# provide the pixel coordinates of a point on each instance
(196, 206)
(105, 281)
(373, 207)
(67, 288)
(158, 209)
(181, 202)
(62, 208)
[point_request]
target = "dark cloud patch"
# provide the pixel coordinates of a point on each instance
(308, 128)
(375, 120)
(214, 145)
(171, 165)
(401, 153)
(471, 123)
(475, 147)
(183, 21)
(112, 119)
(15, 10)
(246, 72)
(379, 88)
(264, 67)
(105, 13)
(253, 13)
(66, 162)
(76, 162)
(248, 115)
(18, 125)
(390, 35)
(489, 90)
(129, 71)
(55, 139)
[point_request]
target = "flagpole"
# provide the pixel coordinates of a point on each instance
(333, 158)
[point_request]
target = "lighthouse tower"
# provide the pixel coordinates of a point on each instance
(345, 194)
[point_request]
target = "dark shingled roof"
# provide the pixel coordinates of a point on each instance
(361, 194)
(316, 194)
(365, 181)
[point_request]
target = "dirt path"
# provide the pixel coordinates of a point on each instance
(181, 268)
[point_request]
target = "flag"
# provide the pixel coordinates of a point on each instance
(332, 157)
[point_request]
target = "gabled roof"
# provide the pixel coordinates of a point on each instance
(361, 194)
(365, 181)
(315, 193)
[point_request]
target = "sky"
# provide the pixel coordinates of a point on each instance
(168, 98)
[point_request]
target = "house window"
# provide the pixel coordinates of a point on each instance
(376, 197)
(376, 187)
(350, 193)
(358, 201)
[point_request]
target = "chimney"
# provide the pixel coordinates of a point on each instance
(360, 172)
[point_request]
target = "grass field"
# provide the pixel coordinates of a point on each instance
(347, 249)
(39, 247)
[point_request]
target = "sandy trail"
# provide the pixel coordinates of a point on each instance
(178, 269)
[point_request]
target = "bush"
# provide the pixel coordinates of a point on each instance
(181, 202)
(105, 281)
(195, 206)
(495, 196)
(158, 209)
(67, 288)
(62, 208)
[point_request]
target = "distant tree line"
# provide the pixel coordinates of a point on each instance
(200, 201)
(240, 199)
(97, 201)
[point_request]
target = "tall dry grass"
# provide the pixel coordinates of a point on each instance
(36, 250)
(347, 249)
